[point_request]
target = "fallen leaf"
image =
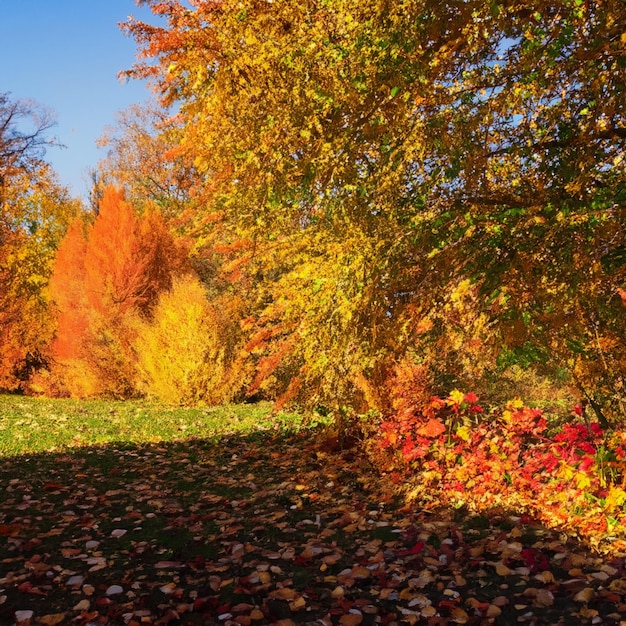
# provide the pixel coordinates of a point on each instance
(459, 616)
(585, 595)
(51, 620)
(284, 593)
(351, 619)
(83, 605)
(23, 618)
(502, 570)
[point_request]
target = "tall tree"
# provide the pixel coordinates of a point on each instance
(145, 159)
(24, 127)
(384, 156)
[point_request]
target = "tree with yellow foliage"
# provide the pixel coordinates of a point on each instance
(187, 348)
(379, 154)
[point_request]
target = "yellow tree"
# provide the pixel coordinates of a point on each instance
(187, 350)
(390, 152)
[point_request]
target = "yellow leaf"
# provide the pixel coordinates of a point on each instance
(584, 595)
(456, 396)
(298, 604)
(459, 616)
(463, 432)
(502, 570)
(615, 498)
(284, 593)
(582, 480)
(566, 472)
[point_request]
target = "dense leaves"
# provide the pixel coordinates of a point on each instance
(396, 162)
(104, 275)
(144, 159)
(382, 202)
(570, 476)
(187, 350)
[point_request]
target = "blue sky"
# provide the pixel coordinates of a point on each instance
(65, 55)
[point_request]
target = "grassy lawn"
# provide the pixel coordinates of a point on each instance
(32, 425)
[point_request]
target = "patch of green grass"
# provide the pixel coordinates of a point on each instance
(34, 425)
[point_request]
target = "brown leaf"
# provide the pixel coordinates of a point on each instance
(51, 620)
(351, 619)
(285, 593)
(9, 530)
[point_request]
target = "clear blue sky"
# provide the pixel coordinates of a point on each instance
(65, 55)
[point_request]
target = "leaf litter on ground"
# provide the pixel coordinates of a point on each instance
(273, 528)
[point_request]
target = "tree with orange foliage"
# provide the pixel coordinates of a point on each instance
(101, 279)
(144, 157)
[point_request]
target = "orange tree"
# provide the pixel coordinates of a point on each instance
(144, 158)
(105, 273)
(401, 168)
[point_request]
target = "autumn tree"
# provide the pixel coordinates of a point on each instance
(105, 274)
(35, 211)
(24, 127)
(187, 351)
(391, 160)
(145, 159)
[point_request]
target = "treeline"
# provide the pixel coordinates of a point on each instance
(355, 203)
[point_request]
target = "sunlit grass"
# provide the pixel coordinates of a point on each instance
(32, 425)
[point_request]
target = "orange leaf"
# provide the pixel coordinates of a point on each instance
(432, 428)
(9, 530)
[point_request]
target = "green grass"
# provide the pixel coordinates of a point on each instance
(33, 425)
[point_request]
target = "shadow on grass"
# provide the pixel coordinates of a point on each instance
(255, 529)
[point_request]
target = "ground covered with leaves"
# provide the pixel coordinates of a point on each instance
(272, 528)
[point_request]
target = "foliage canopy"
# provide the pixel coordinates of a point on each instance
(390, 160)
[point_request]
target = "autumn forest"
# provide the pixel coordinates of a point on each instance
(407, 216)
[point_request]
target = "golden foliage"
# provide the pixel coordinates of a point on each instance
(186, 350)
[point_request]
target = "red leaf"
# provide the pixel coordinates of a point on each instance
(416, 549)
(52, 486)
